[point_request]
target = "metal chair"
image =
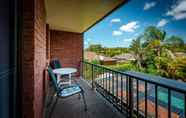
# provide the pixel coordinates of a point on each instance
(55, 63)
(65, 91)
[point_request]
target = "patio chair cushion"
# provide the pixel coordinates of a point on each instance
(68, 91)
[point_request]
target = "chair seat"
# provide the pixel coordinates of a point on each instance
(64, 91)
(69, 91)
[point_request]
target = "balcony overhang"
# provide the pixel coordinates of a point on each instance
(78, 15)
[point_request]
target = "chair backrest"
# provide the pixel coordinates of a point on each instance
(56, 63)
(53, 78)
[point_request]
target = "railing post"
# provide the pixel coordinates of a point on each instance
(130, 97)
(92, 76)
(82, 73)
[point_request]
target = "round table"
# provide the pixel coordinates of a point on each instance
(64, 71)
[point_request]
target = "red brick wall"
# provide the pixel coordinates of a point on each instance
(33, 58)
(68, 47)
(39, 57)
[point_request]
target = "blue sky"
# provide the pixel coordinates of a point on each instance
(126, 23)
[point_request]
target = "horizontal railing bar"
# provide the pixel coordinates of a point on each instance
(159, 81)
(146, 78)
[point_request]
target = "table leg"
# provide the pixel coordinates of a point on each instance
(70, 77)
(58, 78)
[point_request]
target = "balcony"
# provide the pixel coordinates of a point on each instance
(40, 35)
(114, 94)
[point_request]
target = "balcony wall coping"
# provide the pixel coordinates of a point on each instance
(161, 81)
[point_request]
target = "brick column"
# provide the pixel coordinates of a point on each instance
(33, 58)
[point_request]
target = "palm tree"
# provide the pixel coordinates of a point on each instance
(137, 49)
(154, 38)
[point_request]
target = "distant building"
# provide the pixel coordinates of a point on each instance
(107, 60)
(180, 54)
(124, 57)
(90, 56)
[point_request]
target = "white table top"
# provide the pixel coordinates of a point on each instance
(64, 71)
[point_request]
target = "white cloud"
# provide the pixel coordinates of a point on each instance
(178, 11)
(130, 27)
(149, 5)
(162, 23)
(116, 33)
(116, 20)
(180, 16)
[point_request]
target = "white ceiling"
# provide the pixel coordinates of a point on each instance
(77, 15)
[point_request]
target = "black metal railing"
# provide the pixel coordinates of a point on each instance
(137, 94)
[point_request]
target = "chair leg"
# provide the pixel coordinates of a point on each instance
(84, 101)
(79, 96)
(50, 96)
(50, 101)
(52, 109)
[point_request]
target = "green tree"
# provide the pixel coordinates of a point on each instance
(175, 40)
(97, 48)
(154, 53)
(175, 43)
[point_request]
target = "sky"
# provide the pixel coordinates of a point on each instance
(129, 21)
